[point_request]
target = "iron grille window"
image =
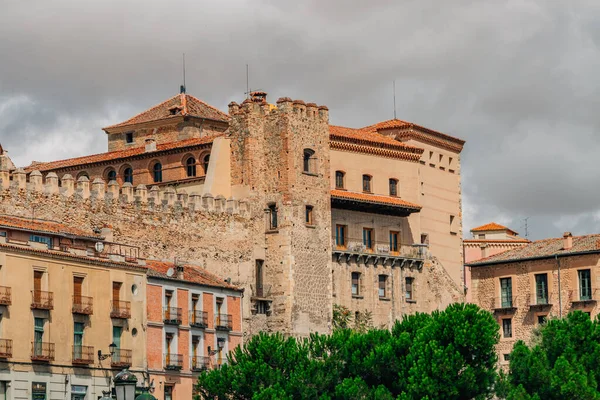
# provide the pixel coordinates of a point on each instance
(541, 288)
(506, 292)
(507, 327)
(367, 183)
(339, 179)
(393, 187)
(355, 284)
(585, 284)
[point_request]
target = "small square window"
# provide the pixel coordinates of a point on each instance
(506, 356)
(129, 137)
(541, 319)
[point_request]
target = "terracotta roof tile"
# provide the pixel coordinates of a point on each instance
(371, 138)
(44, 226)
(373, 198)
(181, 104)
(115, 155)
(544, 248)
(397, 124)
(492, 226)
(191, 273)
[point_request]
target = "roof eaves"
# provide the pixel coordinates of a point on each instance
(543, 257)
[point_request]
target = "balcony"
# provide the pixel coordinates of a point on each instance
(118, 252)
(42, 300)
(83, 355)
(173, 362)
(539, 302)
(199, 363)
(199, 319)
(410, 255)
(5, 348)
(223, 322)
(5, 296)
(120, 309)
(504, 305)
(82, 305)
(42, 351)
(121, 358)
(260, 292)
(172, 315)
(588, 297)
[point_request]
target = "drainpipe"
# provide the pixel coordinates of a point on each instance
(393, 298)
(559, 289)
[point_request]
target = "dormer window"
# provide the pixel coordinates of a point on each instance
(175, 110)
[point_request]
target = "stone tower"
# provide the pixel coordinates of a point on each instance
(280, 160)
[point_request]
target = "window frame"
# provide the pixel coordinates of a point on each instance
(129, 137)
(273, 219)
(585, 291)
(205, 163)
(367, 183)
(506, 297)
(190, 167)
(409, 292)
(340, 180)
(157, 172)
(394, 242)
(343, 229)
(128, 174)
(541, 288)
(309, 215)
(355, 284)
(309, 161)
(382, 286)
(507, 331)
(393, 187)
(368, 239)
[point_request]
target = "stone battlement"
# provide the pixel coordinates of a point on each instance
(284, 105)
(99, 191)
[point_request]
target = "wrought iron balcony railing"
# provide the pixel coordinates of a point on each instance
(199, 363)
(42, 300)
(83, 305)
(121, 358)
(380, 248)
(261, 291)
(536, 301)
(42, 351)
(505, 303)
(173, 361)
(5, 348)
(5, 296)
(83, 355)
(199, 319)
(584, 295)
(172, 315)
(223, 322)
(120, 309)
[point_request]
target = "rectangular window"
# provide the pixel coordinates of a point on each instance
(38, 336)
(453, 224)
(394, 249)
(129, 137)
(309, 215)
(272, 216)
(481, 236)
(355, 284)
(382, 285)
(506, 292)
(339, 180)
(340, 236)
(77, 340)
(541, 319)
(368, 238)
(41, 239)
(507, 327)
(77, 289)
(393, 187)
(585, 284)
(541, 288)
(116, 339)
(424, 238)
(367, 183)
(408, 288)
(116, 294)
(506, 357)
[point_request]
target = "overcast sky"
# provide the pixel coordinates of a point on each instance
(516, 79)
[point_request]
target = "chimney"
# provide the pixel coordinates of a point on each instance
(258, 96)
(150, 145)
(107, 233)
(179, 269)
(567, 240)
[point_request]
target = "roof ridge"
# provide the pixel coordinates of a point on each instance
(138, 114)
(208, 105)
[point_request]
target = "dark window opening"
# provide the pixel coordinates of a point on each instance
(339, 180)
(393, 187)
(355, 284)
(366, 183)
(128, 175)
(340, 236)
(190, 164)
(272, 211)
(507, 327)
(111, 176)
(408, 288)
(382, 285)
(309, 215)
(368, 238)
(205, 162)
(309, 161)
(157, 172)
(129, 137)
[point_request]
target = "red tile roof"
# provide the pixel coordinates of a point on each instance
(191, 273)
(116, 155)
(370, 138)
(43, 226)
(492, 226)
(516, 240)
(375, 199)
(545, 248)
(179, 105)
(397, 124)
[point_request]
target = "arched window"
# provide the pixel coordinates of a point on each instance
(128, 175)
(190, 166)
(111, 175)
(205, 162)
(309, 161)
(83, 173)
(367, 183)
(157, 172)
(339, 180)
(393, 187)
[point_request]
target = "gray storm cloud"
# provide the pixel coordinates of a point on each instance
(516, 79)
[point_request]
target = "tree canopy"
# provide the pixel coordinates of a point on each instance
(447, 354)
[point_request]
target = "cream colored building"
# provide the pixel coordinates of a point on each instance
(544, 279)
(66, 295)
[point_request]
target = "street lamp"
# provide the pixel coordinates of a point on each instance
(125, 383)
(111, 348)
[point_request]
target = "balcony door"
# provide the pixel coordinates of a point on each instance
(77, 284)
(506, 292)
(77, 340)
(117, 331)
(38, 337)
(37, 286)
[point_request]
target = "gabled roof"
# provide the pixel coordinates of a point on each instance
(179, 105)
(44, 226)
(116, 155)
(191, 273)
(492, 226)
(545, 248)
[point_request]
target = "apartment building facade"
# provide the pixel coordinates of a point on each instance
(194, 321)
(72, 311)
(525, 286)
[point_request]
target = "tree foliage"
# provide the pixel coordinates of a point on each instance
(448, 354)
(561, 364)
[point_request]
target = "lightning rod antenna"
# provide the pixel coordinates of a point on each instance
(394, 85)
